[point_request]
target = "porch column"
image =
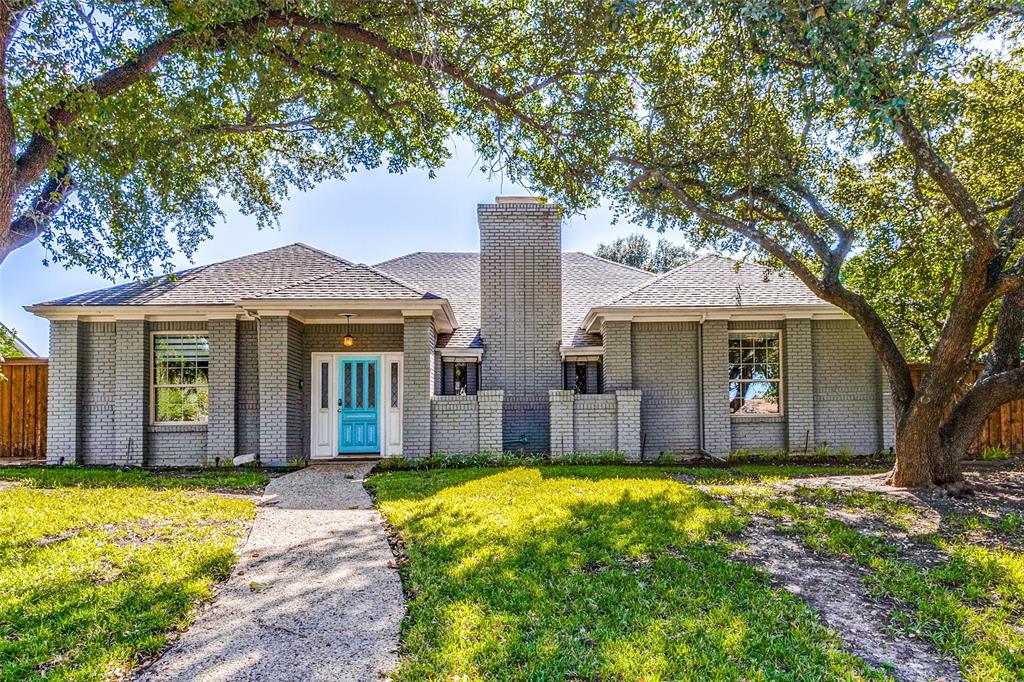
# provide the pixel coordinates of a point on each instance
(221, 427)
(627, 411)
(62, 394)
(799, 385)
(132, 358)
(715, 396)
(273, 373)
(419, 343)
(562, 431)
(618, 355)
(490, 405)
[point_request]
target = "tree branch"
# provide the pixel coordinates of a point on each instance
(34, 221)
(985, 396)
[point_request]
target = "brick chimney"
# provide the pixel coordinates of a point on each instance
(521, 312)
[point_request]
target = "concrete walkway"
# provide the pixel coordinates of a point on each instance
(312, 597)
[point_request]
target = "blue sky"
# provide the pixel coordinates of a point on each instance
(370, 217)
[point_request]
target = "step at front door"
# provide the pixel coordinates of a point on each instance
(358, 405)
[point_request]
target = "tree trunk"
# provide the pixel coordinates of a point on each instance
(923, 459)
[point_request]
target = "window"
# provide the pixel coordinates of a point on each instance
(181, 370)
(460, 377)
(755, 373)
(581, 378)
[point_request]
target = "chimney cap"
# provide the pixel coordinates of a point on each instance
(535, 201)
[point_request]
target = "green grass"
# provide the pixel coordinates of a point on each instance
(590, 573)
(971, 605)
(102, 477)
(97, 566)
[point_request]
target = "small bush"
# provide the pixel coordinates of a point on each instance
(991, 454)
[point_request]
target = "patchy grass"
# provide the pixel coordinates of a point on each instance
(98, 566)
(105, 477)
(591, 573)
(970, 605)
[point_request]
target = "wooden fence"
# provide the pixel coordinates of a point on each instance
(1004, 428)
(23, 408)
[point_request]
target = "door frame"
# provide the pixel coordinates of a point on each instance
(389, 445)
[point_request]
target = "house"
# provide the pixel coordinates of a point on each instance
(296, 352)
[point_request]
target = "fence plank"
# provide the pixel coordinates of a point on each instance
(23, 398)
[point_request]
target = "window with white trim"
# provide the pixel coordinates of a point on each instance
(755, 373)
(180, 379)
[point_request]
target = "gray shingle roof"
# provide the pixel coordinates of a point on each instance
(716, 281)
(355, 282)
(586, 281)
(219, 283)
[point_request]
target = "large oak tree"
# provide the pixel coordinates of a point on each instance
(126, 123)
(872, 147)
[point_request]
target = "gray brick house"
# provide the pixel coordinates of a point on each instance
(296, 353)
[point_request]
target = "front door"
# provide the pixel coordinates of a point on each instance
(358, 402)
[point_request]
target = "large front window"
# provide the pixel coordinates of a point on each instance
(181, 370)
(755, 373)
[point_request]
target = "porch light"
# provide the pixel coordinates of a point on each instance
(348, 341)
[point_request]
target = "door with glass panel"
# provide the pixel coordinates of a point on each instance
(358, 405)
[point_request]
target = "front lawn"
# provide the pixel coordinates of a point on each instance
(98, 566)
(629, 573)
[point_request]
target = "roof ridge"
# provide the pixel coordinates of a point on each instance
(400, 282)
(301, 281)
(658, 278)
(612, 262)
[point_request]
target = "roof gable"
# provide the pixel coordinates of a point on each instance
(219, 283)
(716, 281)
(351, 283)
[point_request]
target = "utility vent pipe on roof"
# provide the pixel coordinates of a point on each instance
(536, 201)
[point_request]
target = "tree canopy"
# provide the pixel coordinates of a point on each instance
(132, 122)
(636, 251)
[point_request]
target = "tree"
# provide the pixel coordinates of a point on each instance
(127, 122)
(635, 251)
(872, 148)
(7, 347)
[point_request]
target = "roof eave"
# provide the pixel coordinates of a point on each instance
(823, 311)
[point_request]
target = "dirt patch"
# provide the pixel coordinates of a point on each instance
(837, 591)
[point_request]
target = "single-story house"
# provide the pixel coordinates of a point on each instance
(297, 353)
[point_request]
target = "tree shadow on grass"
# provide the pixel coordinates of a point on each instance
(544, 574)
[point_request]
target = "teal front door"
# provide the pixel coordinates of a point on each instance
(358, 402)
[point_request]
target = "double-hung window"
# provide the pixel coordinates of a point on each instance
(180, 378)
(755, 373)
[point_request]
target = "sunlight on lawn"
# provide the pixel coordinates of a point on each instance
(596, 572)
(92, 578)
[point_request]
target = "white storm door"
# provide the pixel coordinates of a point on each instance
(393, 395)
(323, 399)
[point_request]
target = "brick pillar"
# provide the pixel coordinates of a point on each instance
(221, 428)
(490, 405)
(715, 369)
(273, 372)
(799, 385)
(560, 407)
(888, 411)
(618, 355)
(132, 355)
(419, 343)
(62, 400)
(627, 410)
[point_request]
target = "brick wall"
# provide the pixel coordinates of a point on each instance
(758, 433)
(273, 380)
(562, 429)
(521, 312)
(595, 423)
(664, 367)
(847, 391)
(223, 365)
(489, 404)
(454, 425)
(247, 390)
(419, 340)
(62, 402)
(798, 385)
(298, 391)
(619, 355)
(97, 376)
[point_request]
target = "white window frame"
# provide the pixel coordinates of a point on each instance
(152, 375)
(781, 379)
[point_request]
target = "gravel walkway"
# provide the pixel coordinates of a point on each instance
(312, 597)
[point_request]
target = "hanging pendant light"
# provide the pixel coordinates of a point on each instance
(348, 340)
